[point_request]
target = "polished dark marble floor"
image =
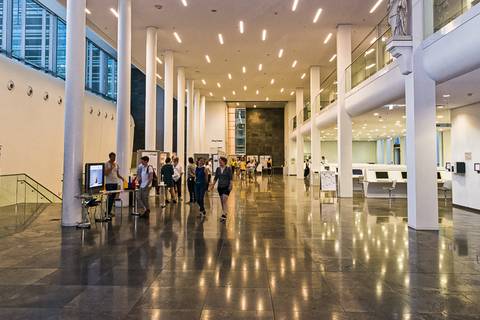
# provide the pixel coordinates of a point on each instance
(285, 253)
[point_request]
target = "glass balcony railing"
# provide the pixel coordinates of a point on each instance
(307, 112)
(369, 56)
(445, 11)
(328, 91)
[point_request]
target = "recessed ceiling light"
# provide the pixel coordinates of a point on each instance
(329, 36)
(238, 104)
(440, 117)
(446, 96)
(376, 5)
(376, 114)
(294, 5)
(224, 98)
(204, 82)
(159, 76)
(264, 34)
(115, 13)
(88, 11)
(282, 90)
(332, 58)
(219, 85)
(230, 76)
(321, 90)
(241, 27)
(260, 67)
(292, 93)
(369, 51)
(317, 15)
(370, 66)
(255, 106)
(244, 88)
(220, 38)
(294, 63)
(280, 53)
(244, 69)
(208, 58)
(233, 92)
(184, 2)
(211, 94)
(373, 40)
(303, 76)
(440, 107)
(257, 92)
(267, 98)
(179, 40)
(272, 81)
(159, 60)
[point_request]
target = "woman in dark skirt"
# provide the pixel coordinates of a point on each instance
(167, 177)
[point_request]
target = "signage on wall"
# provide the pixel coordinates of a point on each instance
(468, 156)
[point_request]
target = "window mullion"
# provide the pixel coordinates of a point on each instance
(22, 33)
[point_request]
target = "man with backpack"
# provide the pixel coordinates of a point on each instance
(145, 175)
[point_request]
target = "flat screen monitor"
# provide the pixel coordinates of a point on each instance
(460, 167)
(357, 172)
(439, 176)
(94, 177)
(381, 175)
(404, 175)
(448, 166)
(476, 167)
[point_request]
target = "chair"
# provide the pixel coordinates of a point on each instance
(391, 188)
(445, 188)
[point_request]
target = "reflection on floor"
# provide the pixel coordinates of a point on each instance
(285, 253)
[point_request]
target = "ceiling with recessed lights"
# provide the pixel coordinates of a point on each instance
(274, 37)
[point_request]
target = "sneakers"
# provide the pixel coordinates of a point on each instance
(223, 218)
(203, 213)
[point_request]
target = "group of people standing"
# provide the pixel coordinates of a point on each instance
(245, 169)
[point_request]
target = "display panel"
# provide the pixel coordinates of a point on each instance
(460, 167)
(357, 172)
(94, 177)
(404, 175)
(476, 167)
(381, 175)
(439, 176)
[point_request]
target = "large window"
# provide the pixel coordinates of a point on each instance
(38, 37)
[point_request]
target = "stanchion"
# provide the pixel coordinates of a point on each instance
(135, 206)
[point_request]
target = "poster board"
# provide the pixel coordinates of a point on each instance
(252, 157)
(157, 158)
(328, 181)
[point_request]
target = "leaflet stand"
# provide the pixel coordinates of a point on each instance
(135, 206)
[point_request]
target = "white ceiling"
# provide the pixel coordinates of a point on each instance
(198, 27)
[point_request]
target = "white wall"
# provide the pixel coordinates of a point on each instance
(290, 145)
(363, 151)
(465, 137)
(31, 129)
(215, 126)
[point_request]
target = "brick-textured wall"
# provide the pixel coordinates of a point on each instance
(265, 133)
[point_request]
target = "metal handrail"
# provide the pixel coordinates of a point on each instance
(38, 183)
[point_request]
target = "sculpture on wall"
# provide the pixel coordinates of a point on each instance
(397, 17)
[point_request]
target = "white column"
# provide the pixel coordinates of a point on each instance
(315, 131)
(124, 54)
(344, 121)
(299, 144)
(168, 105)
(181, 113)
(196, 121)
(151, 90)
(202, 135)
(421, 135)
(190, 118)
(74, 109)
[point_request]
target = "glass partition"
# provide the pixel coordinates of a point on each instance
(328, 90)
(240, 131)
(369, 56)
(307, 111)
(445, 11)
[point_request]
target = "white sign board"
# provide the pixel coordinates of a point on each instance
(328, 181)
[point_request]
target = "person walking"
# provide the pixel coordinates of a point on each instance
(191, 179)
(201, 185)
(167, 173)
(177, 177)
(224, 177)
(144, 178)
(269, 166)
(112, 175)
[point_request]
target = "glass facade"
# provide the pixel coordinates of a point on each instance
(240, 131)
(38, 38)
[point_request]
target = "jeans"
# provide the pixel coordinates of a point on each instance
(111, 197)
(200, 189)
(143, 195)
(191, 188)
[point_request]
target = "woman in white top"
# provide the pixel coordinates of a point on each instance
(177, 177)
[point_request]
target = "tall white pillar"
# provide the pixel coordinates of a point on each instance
(181, 113)
(124, 55)
(315, 131)
(151, 90)
(196, 121)
(299, 144)
(421, 134)
(168, 105)
(344, 121)
(202, 136)
(74, 109)
(190, 118)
